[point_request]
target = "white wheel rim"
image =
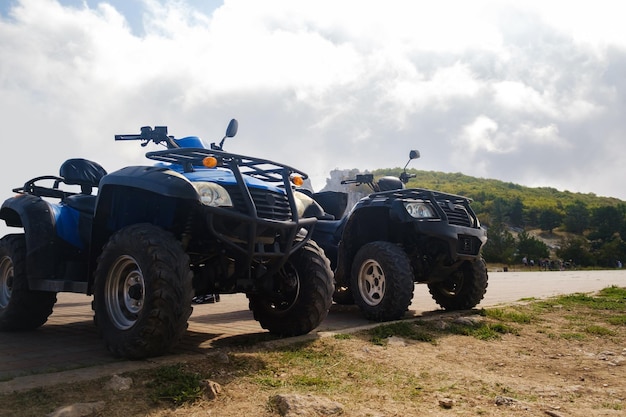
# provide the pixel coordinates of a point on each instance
(371, 282)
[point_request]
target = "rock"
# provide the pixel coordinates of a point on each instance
(500, 400)
(467, 321)
(440, 325)
(118, 383)
(396, 341)
(78, 410)
(296, 405)
(446, 403)
(219, 357)
(210, 389)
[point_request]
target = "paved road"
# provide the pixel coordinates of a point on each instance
(69, 340)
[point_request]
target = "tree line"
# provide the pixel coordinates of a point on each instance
(591, 229)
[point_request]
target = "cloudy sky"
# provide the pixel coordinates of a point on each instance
(530, 92)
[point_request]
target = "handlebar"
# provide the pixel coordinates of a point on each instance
(405, 176)
(360, 179)
(156, 135)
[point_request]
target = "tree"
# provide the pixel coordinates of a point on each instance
(606, 221)
(576, 218)
(577, 250)
(609, 253)
(500, 246)
(549, 219)
(516, 213)
(531, 247)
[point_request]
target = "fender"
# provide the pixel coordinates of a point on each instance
(37, 218)
(363, 226)
(159, 180)
(141, 194)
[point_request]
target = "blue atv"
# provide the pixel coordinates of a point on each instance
(198, 221)
(396, 237)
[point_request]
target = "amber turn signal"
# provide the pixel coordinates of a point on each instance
(297, 180)
(209, 162)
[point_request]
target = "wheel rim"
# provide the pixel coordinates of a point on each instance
(287, 289)
(124, 292)
(371, 282)
(6, 280)
(453, 285)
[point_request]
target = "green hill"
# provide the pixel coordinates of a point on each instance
(536, 222)
(485, 192)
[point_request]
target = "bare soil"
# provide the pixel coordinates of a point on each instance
(546, 358)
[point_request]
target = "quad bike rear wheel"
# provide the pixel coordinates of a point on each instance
(20, 307)
(300, 295)
(463, 289)
(382, 281)
(142, 292)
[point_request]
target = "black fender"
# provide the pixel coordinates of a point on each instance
(364, 225)
(36, 217)
(141, 194)
(159, 180)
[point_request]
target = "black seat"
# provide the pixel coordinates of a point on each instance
(82, 172)
(333, 202)
(85, 173)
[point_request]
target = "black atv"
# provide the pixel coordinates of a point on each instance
(199, 221)
(396, 237)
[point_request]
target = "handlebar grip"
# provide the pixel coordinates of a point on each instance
(128, 137)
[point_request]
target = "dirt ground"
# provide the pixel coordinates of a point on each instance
(552, 358)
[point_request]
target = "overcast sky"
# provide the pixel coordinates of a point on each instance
(530, 92)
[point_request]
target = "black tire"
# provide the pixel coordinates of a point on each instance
(301, 294)
(343, 296)
(20, 308)
(464, 289)
(142, 292)
(382, 281)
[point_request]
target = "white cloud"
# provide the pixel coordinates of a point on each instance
(476, 86)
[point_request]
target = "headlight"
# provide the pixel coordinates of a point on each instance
(212, 194)
(419, 210)
(303, 201)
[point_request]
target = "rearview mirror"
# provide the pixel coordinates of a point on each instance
(231, 130)
(414, 154)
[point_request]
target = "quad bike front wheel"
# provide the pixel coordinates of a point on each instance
(463, 289)
(142, 292)
(382, 281)
(20, 307)
(300, 294)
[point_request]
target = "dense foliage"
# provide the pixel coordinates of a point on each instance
(591, 228)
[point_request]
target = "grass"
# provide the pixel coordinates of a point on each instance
(353, 366)
(175, 384)
(404, 329)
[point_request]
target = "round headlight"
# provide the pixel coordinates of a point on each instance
(419, 210)
(212, 194)
(302, 202)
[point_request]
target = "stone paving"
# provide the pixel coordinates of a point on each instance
(70, 340)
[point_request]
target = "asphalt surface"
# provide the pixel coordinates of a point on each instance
(68, 346)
